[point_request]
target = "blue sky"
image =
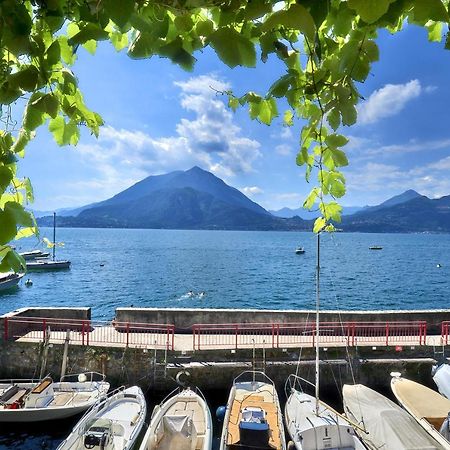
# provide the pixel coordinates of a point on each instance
(159, 118)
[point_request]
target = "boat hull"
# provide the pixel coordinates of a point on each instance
(47, 265)
(11, 282)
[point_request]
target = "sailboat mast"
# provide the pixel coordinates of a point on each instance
(317, 320)
(54, 234)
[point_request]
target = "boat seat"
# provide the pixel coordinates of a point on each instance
(117, 429)
(62, 399)
(17, 397)
(44, 384)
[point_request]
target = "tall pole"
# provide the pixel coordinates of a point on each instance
(317, 320)
(54, 234)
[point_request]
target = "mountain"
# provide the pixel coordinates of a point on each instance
(408, 195)
(311, 215)
(194, 199)
(418, 215)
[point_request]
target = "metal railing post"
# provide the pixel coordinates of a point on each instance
(88, 331)
(6, 328)
(128, 332)
(387, 334)
(236, 334)
(82, 332)
(44, 329)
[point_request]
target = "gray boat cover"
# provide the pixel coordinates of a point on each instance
(388, 426)
(442, 379)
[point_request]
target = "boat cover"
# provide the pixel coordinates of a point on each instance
(442, 379)
(388, 426)
(179, 433)
(420, 400)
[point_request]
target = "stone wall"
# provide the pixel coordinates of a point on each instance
(183, 319)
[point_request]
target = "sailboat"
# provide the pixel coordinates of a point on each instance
(49, 264)
(311, 423)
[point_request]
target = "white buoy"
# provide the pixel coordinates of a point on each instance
(28, 283)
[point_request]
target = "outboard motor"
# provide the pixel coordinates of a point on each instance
(253, 428)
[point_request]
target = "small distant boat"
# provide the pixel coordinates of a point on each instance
(182, 421)
(428, 407)
(375, 247)
(27, 256)
(36, 401)
(9, 280)
(299, 250)
(112, 424)
(253, 418)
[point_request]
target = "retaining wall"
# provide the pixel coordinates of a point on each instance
(183, 319)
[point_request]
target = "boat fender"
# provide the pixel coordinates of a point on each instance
(220, 413)
(182, 377)
(290, 446)
(29, 283)
(445, 428)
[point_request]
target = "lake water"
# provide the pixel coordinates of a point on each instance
(157, 268)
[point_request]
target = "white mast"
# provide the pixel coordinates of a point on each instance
(317, 321)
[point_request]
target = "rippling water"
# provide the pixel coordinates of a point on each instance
(157, 268)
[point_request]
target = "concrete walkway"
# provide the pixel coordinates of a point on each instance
(111, 337)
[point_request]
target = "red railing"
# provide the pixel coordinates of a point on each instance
(277, 335)
(87, 332)
(444, 331)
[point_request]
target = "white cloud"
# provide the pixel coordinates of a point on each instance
(251, 190)
(284, 149)
(211, 139)
(388, 101)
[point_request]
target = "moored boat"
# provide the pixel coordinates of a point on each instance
(112, 424)
(181, 421)
(47, 264)
(375, 247)
(299, 250)
(36, 401)
(253, 418)
(441, 376)
(428, 407)
(33, 254)
(312, 424)
(382, 423)
(9, 280)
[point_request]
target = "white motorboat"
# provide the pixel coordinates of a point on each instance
(9, 280)
(33, 254)
(383, 424)
(428, 407)
(111, 424)
(253, 418)
(441, 376)
(313, 424)
(47, 264)
(181, 421)
(299, 250)
(35, 401)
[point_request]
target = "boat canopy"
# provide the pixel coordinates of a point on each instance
(387, 425)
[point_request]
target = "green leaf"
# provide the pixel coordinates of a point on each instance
(302, 156)
(268, 111)
(296, 17)
(64, 133)
(19, 214)
(183, 23)
(331, 211)
(88, 32)
(240, 53)
(91, 46)
(334, 118)
(6, 177)
(204, 28)
(336, 140)
(8, 229)
(288, 118)
(434, 31)
(280, 87)
(26, 79)
(339, 157)
(233, 103)
(48, 103)
(319, 224)
(53, 54)
(119, 10)
(33, 117)
(348, 112)
(311, 199)
(12, 260)
(118, 40)
(425, 10)
(67, 53)
(370, 10)
(254, 10)
(177, 54)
